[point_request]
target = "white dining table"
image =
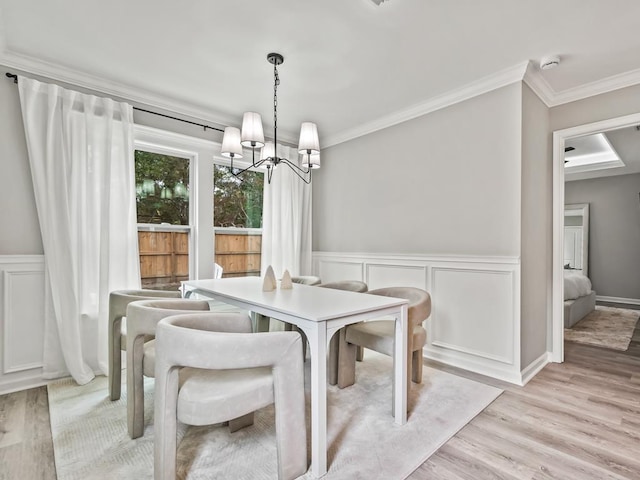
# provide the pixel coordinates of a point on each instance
(319, 313)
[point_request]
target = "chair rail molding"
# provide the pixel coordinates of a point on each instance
(475, 317)
(21, 321)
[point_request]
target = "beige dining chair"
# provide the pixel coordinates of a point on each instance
(307, 280)
(334, 343)
(207, 375)
(379, 335)
(142, 319)
(118, 302)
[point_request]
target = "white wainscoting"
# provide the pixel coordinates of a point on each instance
(21, 321)
(475, 317)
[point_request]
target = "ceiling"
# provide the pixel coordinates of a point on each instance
(350, 66)
(603, 149)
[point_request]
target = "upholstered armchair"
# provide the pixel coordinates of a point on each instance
(206, 375)
(142, 319)
(118, 302)
(334, 344)
(379, 335)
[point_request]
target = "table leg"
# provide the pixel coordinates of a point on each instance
(400, 366)
(318, 345)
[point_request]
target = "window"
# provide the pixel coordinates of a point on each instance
(237, 202)
(192, 212)
(237, 218)
(162, 202)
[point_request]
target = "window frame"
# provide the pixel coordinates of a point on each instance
(202, 155)
(164, 142)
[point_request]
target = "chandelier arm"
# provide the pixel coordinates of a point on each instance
(294, 166)
(295, 169)
(255, 165)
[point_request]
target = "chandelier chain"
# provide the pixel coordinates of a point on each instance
(276, 82)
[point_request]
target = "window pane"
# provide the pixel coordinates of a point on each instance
(162, 196)
(162, 188)
(237, 202)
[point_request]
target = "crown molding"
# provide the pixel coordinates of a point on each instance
(552, 98)
(536, 82)
(479, 87)
(609, 84)
(128, 93)
(521, 72)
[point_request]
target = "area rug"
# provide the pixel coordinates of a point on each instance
(91, 442)
(607, 327)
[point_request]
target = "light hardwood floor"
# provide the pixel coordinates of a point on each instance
(577, 420)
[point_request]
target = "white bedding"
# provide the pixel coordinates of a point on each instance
(575, 285)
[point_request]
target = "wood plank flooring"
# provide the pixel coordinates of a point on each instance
(26, 448)
(577, 420)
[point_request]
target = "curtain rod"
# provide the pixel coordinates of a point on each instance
(206, 127)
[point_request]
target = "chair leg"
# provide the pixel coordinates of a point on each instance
(291, 431)
(135, 387)
(304, 341)
(241, 422)
(346, 361)
(360, 354)
(416, 366)
(332, 369)
(165, 419)
(115, 359)
(261, 323)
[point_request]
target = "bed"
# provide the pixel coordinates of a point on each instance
(579, 298)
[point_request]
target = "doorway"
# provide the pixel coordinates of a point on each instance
(559, 139)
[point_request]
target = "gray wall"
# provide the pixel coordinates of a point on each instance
(614, 232)
(444, 183)
(20, 232)
(536, 255)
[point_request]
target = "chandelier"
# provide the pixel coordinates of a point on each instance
(252, 136)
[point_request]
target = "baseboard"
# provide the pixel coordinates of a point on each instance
(534, 367)
(22, 384)
(628, 301)
(479, 366)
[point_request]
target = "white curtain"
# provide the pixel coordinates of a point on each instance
(81, 155)
(286, 220)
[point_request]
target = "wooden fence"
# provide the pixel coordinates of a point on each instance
(164, 256)
(238, 253)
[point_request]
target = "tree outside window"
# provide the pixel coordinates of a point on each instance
(162, 188)
(237, 200)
